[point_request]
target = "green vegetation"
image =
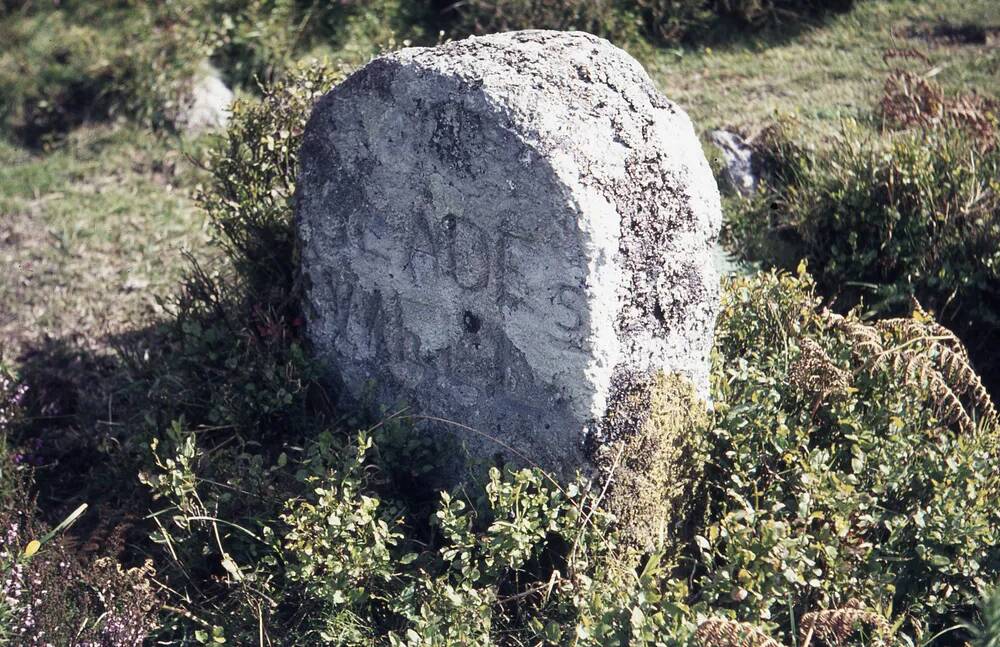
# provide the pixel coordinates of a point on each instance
(665, 21)
(841, 491)
(841, 450)
(886, 218)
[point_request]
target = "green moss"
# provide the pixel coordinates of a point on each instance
(652, 468)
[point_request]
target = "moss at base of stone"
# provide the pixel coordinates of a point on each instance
(655, 461)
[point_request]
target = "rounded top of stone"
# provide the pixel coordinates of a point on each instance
(509, 56)
(551, 85)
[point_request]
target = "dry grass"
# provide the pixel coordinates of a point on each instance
(824, 74)
(91, 235)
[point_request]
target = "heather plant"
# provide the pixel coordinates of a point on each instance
(51, 594)
(11, 397)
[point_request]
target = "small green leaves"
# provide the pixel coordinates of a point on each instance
(216, 637)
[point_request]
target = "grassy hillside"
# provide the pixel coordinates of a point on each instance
(829, 72)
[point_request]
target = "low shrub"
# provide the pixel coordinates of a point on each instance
(253, 177)
(669, 21)
(884, 221)
(849, 493)
(520, 559)
(772, 12)
(852, 463)
(50, 592)
(231, 356)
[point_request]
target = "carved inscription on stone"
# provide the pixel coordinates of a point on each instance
(450, 270)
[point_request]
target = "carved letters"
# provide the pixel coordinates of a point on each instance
(457, 250)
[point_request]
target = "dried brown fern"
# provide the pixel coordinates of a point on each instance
(955, 367)
(719, 632)
(910, 99)
(866, 342)
(922, 353)
(835, 626)
(816, 375)
(904, 53)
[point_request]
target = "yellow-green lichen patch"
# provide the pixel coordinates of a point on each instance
(655, 460)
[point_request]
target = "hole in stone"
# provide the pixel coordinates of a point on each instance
(449, 222)
(658, 313)
(471, 322)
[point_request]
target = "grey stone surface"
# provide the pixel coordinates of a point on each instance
(208, 103)
(497, 230)
(738, 155)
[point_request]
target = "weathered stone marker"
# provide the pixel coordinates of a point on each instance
(499, 231)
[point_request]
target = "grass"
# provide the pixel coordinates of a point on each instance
(92, 233)
(827, 73)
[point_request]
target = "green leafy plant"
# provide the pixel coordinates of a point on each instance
(841, 473)
(520, 557)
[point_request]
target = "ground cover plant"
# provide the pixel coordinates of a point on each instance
(845, 496)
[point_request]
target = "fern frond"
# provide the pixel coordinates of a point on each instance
(719, 632)
(834, 626)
